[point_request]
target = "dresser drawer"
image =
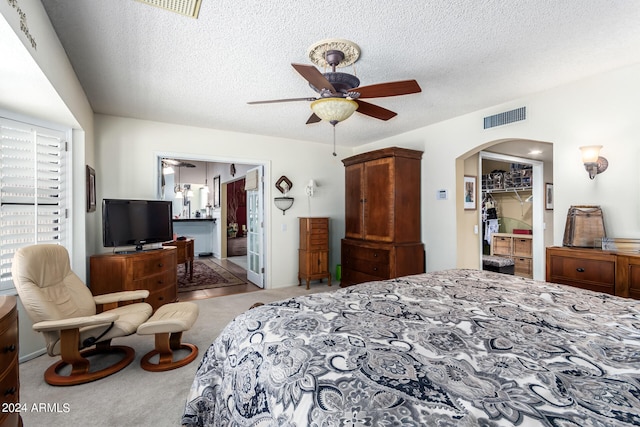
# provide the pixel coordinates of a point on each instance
(352, 277)
(9, 383)
(148, 266)
(156, 281)
(378, 270)
(366, 254)
(8, 339)
(314, 234)
(318, 241)
(594, 274)
(162, 295)
(318, 224)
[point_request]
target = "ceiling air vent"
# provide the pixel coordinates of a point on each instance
(189, 8)
(505, 118)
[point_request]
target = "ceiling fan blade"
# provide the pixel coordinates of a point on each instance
(313, 118)
(273, 101)
(172, 162)
(374, 110)
(403, 87)
(313, 76)
(178, 163)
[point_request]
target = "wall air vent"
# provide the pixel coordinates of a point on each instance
(505, 118)
(189, 8)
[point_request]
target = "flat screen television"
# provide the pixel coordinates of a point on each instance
(136, 222)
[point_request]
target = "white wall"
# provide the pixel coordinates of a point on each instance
(598, 110)
(127, 152)
(53, 94)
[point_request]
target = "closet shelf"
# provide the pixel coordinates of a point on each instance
(506, 190)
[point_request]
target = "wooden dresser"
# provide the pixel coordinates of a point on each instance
(185, 254)
(313, 255)
(382, 216)
(518, 247)
(9, 378)
(611, 272)
(153, 270)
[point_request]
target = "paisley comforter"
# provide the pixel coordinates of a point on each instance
(451, 348)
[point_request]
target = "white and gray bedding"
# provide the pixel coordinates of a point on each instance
(451, 348)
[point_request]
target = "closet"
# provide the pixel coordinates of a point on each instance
(507, 216)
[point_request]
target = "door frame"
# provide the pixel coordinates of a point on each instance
(266, 192)
(537, 190)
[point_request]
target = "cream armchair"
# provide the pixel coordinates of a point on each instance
(62, 307)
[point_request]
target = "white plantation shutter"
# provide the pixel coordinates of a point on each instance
(33, 200)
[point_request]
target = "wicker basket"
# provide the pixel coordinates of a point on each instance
(584, 225)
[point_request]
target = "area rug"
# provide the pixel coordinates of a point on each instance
(206, 275)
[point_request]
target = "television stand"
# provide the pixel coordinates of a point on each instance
(153, 270)
(136, 251)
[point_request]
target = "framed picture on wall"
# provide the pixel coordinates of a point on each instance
(91, 189)
(470, 193)
(548, 196)
(216, 191)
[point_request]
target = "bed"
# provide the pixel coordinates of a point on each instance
(450, 348)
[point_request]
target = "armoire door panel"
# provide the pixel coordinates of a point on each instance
(354, 201)
(379, 200)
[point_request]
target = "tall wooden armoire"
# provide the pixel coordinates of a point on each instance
(382, 216)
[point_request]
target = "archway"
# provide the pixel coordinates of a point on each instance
(539, 155)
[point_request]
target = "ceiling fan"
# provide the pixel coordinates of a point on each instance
(177, 163)
(340, 94)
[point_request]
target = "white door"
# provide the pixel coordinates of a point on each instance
(255, 231)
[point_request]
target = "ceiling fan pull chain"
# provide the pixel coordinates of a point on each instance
(334, 139)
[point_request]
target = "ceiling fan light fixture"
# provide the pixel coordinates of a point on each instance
(334, 109)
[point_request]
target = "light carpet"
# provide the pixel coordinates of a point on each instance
(133, 396)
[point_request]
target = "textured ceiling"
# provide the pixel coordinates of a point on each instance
(139, 61)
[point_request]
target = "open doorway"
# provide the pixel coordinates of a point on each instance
(507, 212)
(237, 222)
(209, 212)
(470, 234)
(512, 215)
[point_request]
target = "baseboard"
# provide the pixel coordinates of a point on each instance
(32, 355)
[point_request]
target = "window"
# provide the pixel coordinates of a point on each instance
(33, 196)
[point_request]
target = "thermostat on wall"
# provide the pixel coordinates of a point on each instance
(442, 195)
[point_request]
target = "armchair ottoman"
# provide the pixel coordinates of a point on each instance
(167, 324)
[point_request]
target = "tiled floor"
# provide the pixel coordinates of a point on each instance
(236, 270)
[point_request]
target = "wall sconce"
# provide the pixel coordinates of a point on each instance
(593, 162)
(310, 188)
(285, 202)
